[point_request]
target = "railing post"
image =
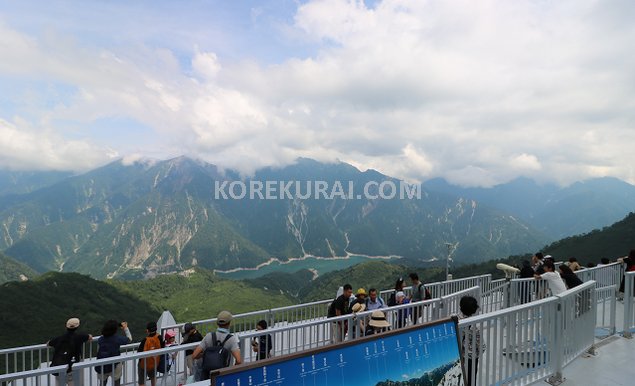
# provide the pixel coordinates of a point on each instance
(558, 347)
(507, 294)
(628, 305)
(612, 316)
(271, 318)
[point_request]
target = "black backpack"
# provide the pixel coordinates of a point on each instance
(426, 293)
(64, 351)
(216, 357)
(331, 311)
(164, 364)
(392, 300)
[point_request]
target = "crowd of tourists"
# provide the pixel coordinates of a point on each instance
(221, 348)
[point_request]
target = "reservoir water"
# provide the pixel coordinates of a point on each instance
(320, 265)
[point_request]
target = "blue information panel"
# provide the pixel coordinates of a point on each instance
(419, 355)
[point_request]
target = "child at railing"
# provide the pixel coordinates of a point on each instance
(472, 347)
(263, 344)
(403, 314)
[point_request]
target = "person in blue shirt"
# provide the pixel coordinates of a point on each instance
(374, 302)
(109, 346)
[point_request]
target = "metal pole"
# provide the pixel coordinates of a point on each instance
(447, 261)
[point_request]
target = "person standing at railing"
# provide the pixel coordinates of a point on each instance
(359, 323)
(360, 297)
(555, 282)
(377, 323)
(574, 265)
(263, 344)
(570, 278)
(403, 314)
(190, 335)
(166, 361)
(537, 263)
(471, 342)
(110, 346)
(392, 300)
(630, 267)
(419, 294)
(374, 302)
(216, 344)
(526, 272)
(146, 368)
(340, 306)
(67, 349)
(604, 261)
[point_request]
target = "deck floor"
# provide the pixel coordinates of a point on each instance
(613, 363)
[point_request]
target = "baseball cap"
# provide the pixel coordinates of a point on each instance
(224, 317)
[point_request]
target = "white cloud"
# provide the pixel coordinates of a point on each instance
(26, 148)
(477, 92)
(525, 162)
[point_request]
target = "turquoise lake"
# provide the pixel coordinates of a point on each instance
(322, 266)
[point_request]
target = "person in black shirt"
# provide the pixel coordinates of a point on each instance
(67, 349)
(341, 306)
(263, 344)
(570, 278)
(526, 272)
(190, 335)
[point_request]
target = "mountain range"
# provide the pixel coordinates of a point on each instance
(40, 306)
(557, 212)
(611, 242)
(139, 219)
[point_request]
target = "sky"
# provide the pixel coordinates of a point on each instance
(476, 92)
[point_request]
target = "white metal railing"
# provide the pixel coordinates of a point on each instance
(84, 373)
(318, 309)
(516, 343)
(18, 359)
(629, 304)
(523, 291)
(604, 276)
(526, 343)
(286, 339)
(607, 311)
(494, 297)
(575, 326)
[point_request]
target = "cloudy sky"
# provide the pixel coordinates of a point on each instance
(478, 92)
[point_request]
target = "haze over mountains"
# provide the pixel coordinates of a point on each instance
(134, 220)
(556, 211)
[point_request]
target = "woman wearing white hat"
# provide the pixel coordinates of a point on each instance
(377, 323)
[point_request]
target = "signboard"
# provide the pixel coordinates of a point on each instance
(426, 354)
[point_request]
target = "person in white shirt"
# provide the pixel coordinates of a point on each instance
(556, 284)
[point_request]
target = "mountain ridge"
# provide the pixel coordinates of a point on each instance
(143, 218)
(557, 211)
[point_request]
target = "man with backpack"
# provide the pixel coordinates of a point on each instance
(67, 349)
(147, 366)
(217, 348)
(419, 293)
